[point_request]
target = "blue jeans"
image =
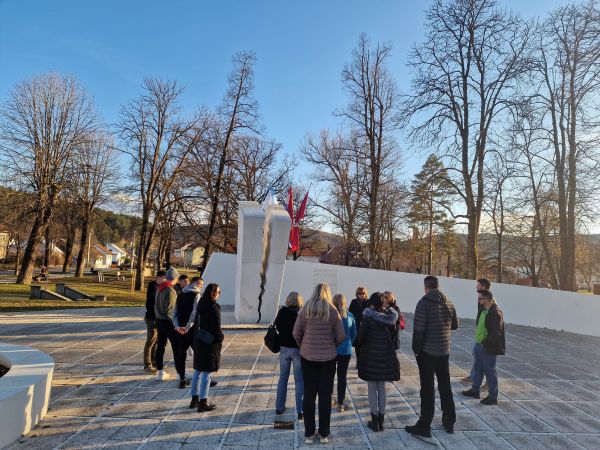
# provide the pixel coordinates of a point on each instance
(472, 372)
(204, 384)
(287, 357)
(485, 364)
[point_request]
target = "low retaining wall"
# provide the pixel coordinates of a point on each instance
(536, 307)
(43, 294)
(24, 390)
(77, 295)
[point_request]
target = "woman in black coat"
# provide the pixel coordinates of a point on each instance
(377, 361)
(208, 341)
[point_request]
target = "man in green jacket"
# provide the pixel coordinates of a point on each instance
(489, 343)
(166, 296)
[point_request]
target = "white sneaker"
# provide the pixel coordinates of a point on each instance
(161, 375)
(310, 440)
(324, 440)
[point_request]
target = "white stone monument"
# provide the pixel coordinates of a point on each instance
(263, 234)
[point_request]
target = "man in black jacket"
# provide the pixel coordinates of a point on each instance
(357, 306)
(150, 319)
(489, 343)
(435, 316)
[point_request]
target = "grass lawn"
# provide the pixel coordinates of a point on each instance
(15, 297)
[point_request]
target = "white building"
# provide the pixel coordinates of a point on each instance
(102, 257)
(118, 254)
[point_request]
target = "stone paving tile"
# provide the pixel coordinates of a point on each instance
(549, 393)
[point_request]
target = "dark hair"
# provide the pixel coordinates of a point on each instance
(208, 292)
(485, 284)
(376, 301)
(194, 279)
(431, 282)
(160, 273)
(183, 277)
(485, 294)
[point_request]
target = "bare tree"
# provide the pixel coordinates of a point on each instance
(372, 116)
(159, 142)
(340, 168)
(569, 74)
(258, 168)
(239, 111)
(465, 70)
(44, 120)
(94, 169)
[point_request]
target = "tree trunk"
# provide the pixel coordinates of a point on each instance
(47, 247)
(430, 246)
(167, 251)
(83, 243)
(500, 259)
(140, 262)
(448, 261)
(18, 254)
(68, 251)
(472, 248)
(26, 272)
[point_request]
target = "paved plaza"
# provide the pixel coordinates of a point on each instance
(549, 384)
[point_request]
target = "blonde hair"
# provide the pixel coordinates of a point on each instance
(319, 303)
(294, 300)
(360, 289)
(391, 298)
(339, 301)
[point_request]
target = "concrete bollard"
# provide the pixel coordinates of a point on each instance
(36, 291)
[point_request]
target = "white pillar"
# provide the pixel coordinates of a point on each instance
(251, 219)
(275, 244)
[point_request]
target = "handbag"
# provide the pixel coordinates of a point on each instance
(272, 339)
(205, 336)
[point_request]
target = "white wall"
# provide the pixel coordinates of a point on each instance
(536, 307)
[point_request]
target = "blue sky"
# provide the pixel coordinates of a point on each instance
(301, 48)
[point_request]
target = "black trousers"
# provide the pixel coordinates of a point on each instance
(342, 374)
(429, 366)
(318, 380)
(166, 332)
(184, 341)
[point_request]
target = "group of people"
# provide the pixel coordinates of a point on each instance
(316, 339)
(180, 312)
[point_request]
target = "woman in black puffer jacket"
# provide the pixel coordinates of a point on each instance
(377, 363)
(207, 355)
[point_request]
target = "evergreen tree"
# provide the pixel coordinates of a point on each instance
(431, 196)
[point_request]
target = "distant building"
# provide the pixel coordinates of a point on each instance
(3, 243)
(101, 257)
(306, 254)
(118, 254)
(337, 255)
(193, 255)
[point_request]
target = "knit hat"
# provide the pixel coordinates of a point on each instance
(172, 274)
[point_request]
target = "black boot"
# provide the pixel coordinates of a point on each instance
(195, 402)
(204, 406)
(373, 424)
(380, 421)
